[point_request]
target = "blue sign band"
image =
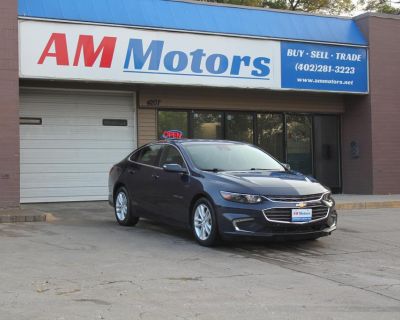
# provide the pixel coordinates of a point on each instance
(324, 67)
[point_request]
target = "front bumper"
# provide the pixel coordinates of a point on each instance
(249, 221)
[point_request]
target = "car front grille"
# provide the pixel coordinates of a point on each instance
(284, 215)
(310, 197)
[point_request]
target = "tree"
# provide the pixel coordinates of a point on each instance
(322, 6)
(252, 3)
(381, 6)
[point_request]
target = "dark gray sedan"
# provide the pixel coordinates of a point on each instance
(220, 190)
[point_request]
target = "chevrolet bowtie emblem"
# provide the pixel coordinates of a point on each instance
(301, 205)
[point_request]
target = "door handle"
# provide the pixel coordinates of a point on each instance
(131, 171)
(155, 176)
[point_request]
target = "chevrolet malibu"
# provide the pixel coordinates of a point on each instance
(219, 190)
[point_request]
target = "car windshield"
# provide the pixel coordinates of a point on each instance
(230, 157)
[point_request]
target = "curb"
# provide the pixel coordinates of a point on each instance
(368, 205)
(19, 218)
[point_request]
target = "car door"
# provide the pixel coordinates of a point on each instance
(142, 175)
(173, 187)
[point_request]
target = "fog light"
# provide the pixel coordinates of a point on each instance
(332, 221)
(236, 221)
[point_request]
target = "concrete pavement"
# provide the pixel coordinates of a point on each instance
(82, 265)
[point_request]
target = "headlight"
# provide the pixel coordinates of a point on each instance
(242, 198)
(328, 200)
(327, 196)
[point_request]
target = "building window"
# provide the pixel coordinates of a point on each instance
(239, 127)
(298, 143)
(173, 120)
(309, 143)
(270, 134)
(207, 125)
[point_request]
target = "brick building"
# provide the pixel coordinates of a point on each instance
(83, 83)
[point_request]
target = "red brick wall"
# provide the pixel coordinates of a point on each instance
(384, 35)
(9, 123)
(356, 126)
(374, 120)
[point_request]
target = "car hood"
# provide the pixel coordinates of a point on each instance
(272, 182)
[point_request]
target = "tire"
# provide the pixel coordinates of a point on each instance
(122, 208)
(204, 223)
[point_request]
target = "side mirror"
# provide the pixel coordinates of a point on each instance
(174, 167)
(286, 166)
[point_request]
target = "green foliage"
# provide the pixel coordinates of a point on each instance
(381, 6)
(322, 6)
(252, 3)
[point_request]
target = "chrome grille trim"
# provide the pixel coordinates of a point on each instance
(278, 217)
(307, 198)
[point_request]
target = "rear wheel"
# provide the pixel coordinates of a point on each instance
(123, 210)
(204, 223)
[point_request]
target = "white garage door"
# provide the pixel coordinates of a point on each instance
(69, 141)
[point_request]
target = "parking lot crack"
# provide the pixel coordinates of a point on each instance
(234, 276)
(385, 286)
(341, 283)
(112, 282)
(286, 264)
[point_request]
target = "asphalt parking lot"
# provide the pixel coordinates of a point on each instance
(83, 265)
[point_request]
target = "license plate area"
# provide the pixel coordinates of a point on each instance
(301, 215)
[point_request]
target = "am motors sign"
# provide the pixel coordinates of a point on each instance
(87, 52)
(69, 51)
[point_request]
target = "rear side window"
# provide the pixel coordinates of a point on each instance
(171, 155)
(148, 155)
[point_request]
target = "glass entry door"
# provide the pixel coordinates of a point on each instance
(299, 143)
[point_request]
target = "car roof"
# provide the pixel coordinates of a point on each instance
(199, 141)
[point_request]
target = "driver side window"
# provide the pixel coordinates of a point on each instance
(171, 155)
(148, 155)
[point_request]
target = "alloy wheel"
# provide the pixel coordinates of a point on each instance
(202, 222)
(121, 206)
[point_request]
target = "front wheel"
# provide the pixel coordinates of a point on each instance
(204, 223)
(122, 207)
